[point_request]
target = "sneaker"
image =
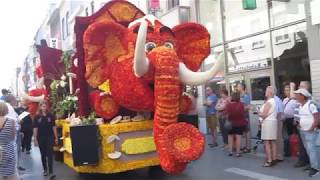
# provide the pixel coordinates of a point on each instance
(45, 173)
(52, 176)
(313, 172)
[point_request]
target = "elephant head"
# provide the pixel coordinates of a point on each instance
(146, 64)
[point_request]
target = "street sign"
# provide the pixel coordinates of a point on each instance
(249, 4)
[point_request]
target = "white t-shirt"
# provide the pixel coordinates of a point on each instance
(306, 115)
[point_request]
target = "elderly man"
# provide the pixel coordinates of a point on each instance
(307, 124)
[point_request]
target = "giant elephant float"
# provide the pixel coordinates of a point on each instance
(146, 65)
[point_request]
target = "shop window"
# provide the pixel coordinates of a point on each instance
(291, 62)
(258, 87)
(172, 4)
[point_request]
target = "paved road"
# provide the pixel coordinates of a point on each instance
(214, 164)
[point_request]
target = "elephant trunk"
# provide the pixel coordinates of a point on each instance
(167, 93)
(173, 148)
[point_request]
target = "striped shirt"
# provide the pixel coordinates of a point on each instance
(8, 153)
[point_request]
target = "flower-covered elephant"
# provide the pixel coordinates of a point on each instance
(146, 64)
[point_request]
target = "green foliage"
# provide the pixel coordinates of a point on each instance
(63, 103)
(66, 58)
(91, 119)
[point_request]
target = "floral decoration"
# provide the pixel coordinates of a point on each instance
(185, 104)
(108, 165)
(138, 145)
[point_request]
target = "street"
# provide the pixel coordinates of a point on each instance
(214, 164)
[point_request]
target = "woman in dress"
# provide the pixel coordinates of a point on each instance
(236, 115)
(268, 120)
(7, 145)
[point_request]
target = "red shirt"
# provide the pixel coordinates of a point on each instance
(236, 114)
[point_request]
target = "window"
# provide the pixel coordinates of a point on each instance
(172, 4)
(67, 24)
(258, 45)
(87, 12)
(62, 29)
(92, 7)
(258, 87)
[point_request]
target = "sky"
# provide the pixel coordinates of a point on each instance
(19, 20)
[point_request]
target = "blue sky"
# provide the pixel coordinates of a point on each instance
(19, 22)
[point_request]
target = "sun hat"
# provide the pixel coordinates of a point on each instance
(304, 92)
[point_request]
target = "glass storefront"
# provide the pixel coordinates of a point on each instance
(241, 22)
(287, 12)
(259, 53)
(210, 16)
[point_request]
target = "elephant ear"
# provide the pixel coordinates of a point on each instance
(103, 43)
(193, 44)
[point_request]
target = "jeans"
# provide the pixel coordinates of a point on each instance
(309, 142)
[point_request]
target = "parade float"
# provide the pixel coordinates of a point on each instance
(125, 92)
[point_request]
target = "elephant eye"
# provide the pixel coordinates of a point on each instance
(169, 45)
(149, 46)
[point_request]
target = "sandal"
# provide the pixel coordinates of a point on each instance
(267, 164)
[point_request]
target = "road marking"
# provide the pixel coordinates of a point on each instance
(252, 174)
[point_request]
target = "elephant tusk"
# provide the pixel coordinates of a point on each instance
(141, 63)
(189, 77)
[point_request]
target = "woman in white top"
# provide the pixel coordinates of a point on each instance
(268, 119)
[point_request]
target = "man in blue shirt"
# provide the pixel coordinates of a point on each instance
(246, 100)
(211, 115)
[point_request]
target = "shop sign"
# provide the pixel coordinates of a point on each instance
(250, 66)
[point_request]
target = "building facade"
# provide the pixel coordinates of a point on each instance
(271, 43)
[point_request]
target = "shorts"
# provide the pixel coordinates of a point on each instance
(237, 130)
(212, 121)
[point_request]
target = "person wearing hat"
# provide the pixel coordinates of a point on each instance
(307, 125)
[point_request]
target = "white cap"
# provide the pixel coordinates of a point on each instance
(304, 92)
